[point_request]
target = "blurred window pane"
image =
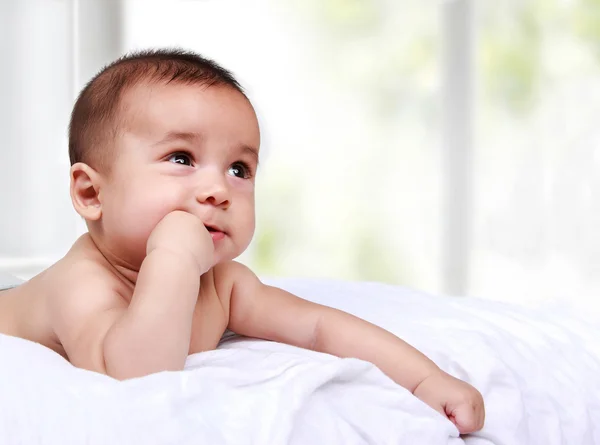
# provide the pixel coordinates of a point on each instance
(537, 212)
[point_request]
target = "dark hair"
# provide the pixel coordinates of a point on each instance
(94, 119)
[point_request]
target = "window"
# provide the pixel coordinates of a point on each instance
(450, 146)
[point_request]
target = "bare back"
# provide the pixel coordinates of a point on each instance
(23, 312)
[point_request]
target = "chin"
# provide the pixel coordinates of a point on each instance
(224, 259)
(228, 256)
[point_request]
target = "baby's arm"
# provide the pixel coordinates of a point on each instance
(261, 311)
(99, 331)
(154, 333)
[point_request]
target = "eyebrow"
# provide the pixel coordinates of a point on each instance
(173, 136)
(253, 151)
(193, 137)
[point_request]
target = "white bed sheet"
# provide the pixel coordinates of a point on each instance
(539, 372)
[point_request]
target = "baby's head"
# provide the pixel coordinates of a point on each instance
(159, 131)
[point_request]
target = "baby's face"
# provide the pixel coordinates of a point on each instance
(187, 148)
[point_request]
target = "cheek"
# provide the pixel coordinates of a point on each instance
(243, 190)
(249, 223)
(246, 211)
(137, 211)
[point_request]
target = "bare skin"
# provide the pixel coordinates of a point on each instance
(153, 281)
(31, 310)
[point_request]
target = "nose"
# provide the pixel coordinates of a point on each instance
(213, 190)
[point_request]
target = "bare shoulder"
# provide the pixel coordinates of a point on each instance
(81, 284)
(262, 311)
(232, 276)
(84, 301)
(81, 279)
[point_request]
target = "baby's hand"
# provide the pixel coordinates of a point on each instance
(183, 234)
(457, 400)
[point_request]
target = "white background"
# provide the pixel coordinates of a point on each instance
(411, 177)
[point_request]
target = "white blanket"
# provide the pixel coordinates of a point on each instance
(539, 373)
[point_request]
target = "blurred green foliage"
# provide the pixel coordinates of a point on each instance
(585, 22)
(509, 53)
(517, 39)
(388, 52)
(343, 17)
(373, 261)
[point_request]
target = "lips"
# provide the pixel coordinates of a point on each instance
(216, 233)
(212, 228)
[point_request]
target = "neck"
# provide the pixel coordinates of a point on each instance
(126, 272)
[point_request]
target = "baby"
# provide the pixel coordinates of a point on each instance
(164, 147)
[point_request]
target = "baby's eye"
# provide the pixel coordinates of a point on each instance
(180, 158)
(240, 170)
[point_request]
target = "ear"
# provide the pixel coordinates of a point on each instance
(85, 191)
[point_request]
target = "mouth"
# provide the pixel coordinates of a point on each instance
(215, 232)
(212, 228)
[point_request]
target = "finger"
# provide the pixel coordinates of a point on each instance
(439, 408)
(479, 415)
(482, 417)
(466, 420)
